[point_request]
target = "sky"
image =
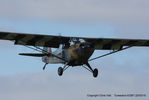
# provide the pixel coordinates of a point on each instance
(125, 72)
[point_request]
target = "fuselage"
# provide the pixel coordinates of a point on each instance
(76, 54)
(79, 53)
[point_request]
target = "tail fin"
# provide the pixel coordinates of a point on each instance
(50, 58)
(45, 51)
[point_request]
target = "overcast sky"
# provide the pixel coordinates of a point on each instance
(123, 73)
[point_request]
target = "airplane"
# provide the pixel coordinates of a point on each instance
(70, 51)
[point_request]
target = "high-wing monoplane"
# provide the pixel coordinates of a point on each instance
(71, 51)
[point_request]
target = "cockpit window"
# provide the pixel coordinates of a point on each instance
(82, 45)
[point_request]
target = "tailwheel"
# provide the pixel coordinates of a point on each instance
(60, 71)
(95, 72)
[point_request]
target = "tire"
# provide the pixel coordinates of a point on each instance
(60, 71)
(95, 72)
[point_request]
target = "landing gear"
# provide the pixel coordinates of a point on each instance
(94, 72)
(44, 66)
(61, 70)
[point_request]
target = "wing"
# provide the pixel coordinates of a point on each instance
(34, 39)
(55, 41)
(116, 44)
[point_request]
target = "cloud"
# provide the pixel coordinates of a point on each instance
(78, 10)
(76, 83)
(128, 18)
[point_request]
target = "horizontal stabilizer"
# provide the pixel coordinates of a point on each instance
(34, 54)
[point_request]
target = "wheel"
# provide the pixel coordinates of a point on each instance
(95, 72)
(60, 71)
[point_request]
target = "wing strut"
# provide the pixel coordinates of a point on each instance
(109, 53)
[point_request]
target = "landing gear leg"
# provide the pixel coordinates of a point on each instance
(95, 71)
(61, 70)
